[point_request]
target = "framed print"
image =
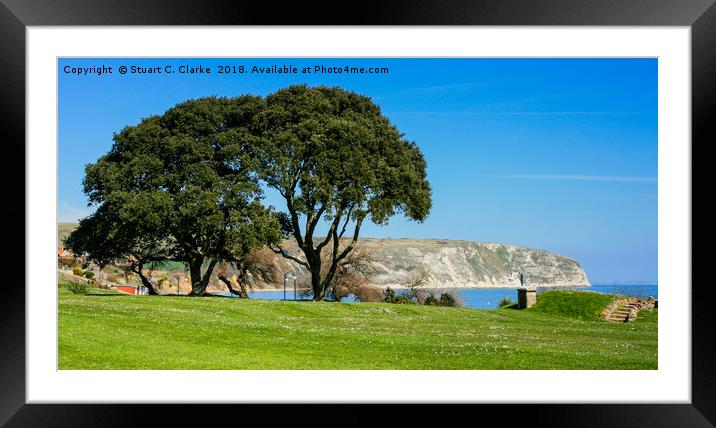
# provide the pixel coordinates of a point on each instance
(483, 204)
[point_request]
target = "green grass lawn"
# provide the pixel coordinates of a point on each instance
(583, 305)
(105, 330)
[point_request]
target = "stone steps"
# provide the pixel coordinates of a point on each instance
(620, 315)
(625, 310)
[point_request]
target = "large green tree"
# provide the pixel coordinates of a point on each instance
(335, 158)
(180, 186)
(115, 231)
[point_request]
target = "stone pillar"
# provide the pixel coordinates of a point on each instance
(526, 297)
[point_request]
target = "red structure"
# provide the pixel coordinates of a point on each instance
(128, 289)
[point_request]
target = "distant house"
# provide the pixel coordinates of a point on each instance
(68, 257)
(64, 252)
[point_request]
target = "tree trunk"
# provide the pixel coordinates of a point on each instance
(313, 254)
(199, 282)
(241, 280)
(242, 293)
(329, 277)
(195, 275)
(313, 258)
(317, 285)
(145, 281)
(148, 285)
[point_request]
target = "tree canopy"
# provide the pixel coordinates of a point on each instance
(181, 186)
(186, 185)
(334, 157)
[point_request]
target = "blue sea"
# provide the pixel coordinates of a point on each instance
(488, 298)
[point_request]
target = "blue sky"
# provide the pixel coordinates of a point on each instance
(558, 154)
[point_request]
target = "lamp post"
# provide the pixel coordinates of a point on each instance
(285, 277)
(178, 278)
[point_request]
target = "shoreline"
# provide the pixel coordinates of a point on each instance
(556, 287)
(442, 288)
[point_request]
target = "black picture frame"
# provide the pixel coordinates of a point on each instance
(16, 15)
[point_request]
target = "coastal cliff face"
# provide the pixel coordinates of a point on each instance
(446, 264)
(455, 264)
(472, 264)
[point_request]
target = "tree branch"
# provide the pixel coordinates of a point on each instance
(297, 174)
(137, 268)
(294, 221)
(288, 256)
(336, 258)
(241, 292)
(311, 225)
(209, 270)
(348, 217)
(353, 241)
(332, 230)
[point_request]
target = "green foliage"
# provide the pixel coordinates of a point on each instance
(184, 186)
(402, 299)
(391, 297)
(77, 271)
(169, 265)
(181, 186)
(76, 288)
(447, 299)
(334, 157)
(504, 302)
(89, 274)
(344, 152)
(584, 305)
(410, 297)
(431, 300)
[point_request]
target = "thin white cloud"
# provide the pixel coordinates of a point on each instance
(70, 213)
(522, 113)
(467, 86)
(580, 177)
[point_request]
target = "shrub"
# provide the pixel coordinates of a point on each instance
(77, 288)
(431, 300)
(403, 300)
(505, 301)
(89, 274)
(77, 271)
(447, 299)
(391, 297)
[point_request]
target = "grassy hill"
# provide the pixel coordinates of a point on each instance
(64, 229)
(104, 330)
(582, 305)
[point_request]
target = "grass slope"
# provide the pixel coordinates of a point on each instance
(104, 330)
(584, 305)
(64, 229)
